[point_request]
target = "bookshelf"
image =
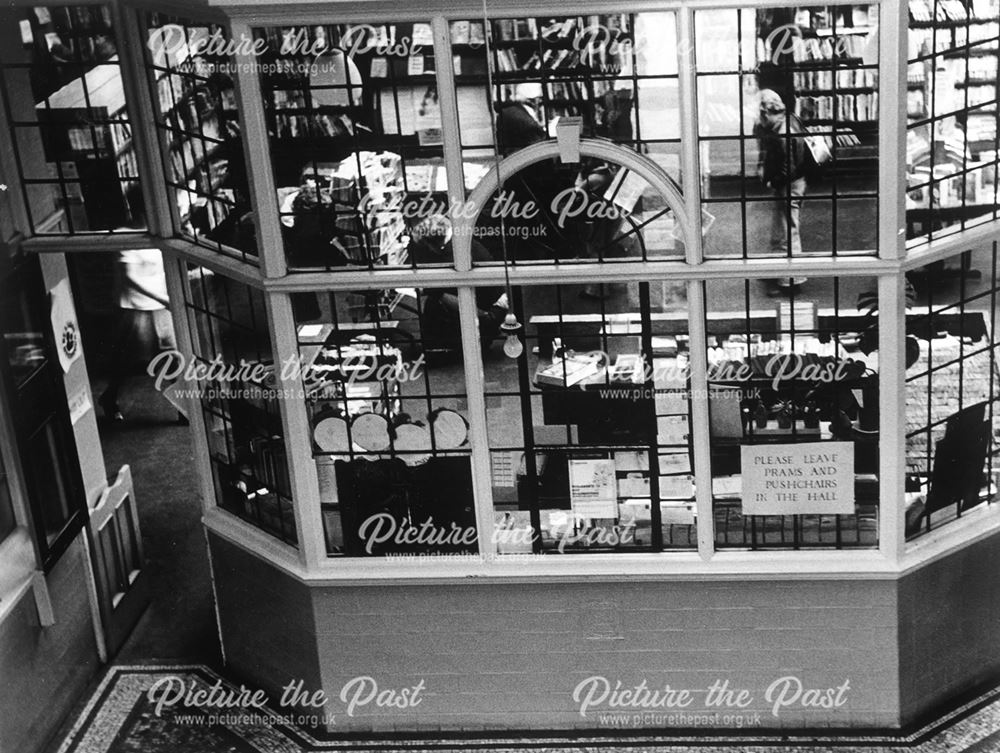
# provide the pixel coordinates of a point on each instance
(86, 128)
(392, 97)
(199, 124)
(76, 83)
(576, 61)
(952, 78)
(372, 91)
(828, 67)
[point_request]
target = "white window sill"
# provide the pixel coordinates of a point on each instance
(845, 564)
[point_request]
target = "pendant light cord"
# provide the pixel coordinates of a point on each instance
(494, 110)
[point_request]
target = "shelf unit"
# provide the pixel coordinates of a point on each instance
(830, 75)
(197, 115)
(81, 108)
(944, 69)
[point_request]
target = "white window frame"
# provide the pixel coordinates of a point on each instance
(309, 561)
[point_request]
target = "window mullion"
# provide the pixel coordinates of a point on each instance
(447, 99)
(475, 390)
(139, 106)
(179, 293)
(303, 476)
(699, 425)
(690, 162)
(257, 155)
(892, 413)
(892, 90)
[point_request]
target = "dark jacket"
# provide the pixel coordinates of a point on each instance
(516, 128)
(783, 151)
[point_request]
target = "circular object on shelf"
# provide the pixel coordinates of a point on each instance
(331, 434)
(413, 443)
(370, 431)
(450, 429)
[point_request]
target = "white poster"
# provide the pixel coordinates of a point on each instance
(797, 479)
(593, 492)
(64, 326)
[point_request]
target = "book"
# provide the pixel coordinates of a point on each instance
(568, 371)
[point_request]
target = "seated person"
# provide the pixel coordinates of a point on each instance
(518, 121)
(325, 232)
(431, 243)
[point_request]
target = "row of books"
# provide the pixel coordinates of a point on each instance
(175, 90)
(311, 125)
(842, 78)
(97, 137)
(982, 127)
(916, 103)
(979, 68)
(513, 29)
(954, 191)
(843, 107)
(924, 42)
(190, 154)
(836, 18)
(550, 59)
(128, 166)
(75, 18)
(467, 32)
(555, 29)
(829, 48)
(951, 10)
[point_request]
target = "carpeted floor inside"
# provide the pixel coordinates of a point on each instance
(123, 716)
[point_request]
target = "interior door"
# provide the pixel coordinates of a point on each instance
(122, 585)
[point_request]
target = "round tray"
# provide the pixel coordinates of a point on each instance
(331, 434)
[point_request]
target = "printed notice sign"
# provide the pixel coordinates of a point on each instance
(796, 479)
(593, 492)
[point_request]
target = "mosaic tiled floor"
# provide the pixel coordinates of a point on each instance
(119, 718)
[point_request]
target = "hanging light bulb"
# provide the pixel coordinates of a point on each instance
(511, 327)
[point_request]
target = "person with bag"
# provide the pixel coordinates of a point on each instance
(783, 164)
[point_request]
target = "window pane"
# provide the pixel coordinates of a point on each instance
(793, 401)
(588, 430)
(355, 132)
(51, 490)
(567, 213)
(385, 390)
(62, 82)
(239, 399)
(952, 112)
(952, 416)
(199, 125)
(788, 114)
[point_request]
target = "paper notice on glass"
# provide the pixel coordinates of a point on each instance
(428, 115)
(678, 462)
(625, 189)
(593, 491)
(673, 403)
(676, 487)
(797, 479)
(415, 65)
(397, 121)
(326, 473)
(422, 35)
(672, 429)
(677, 513)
